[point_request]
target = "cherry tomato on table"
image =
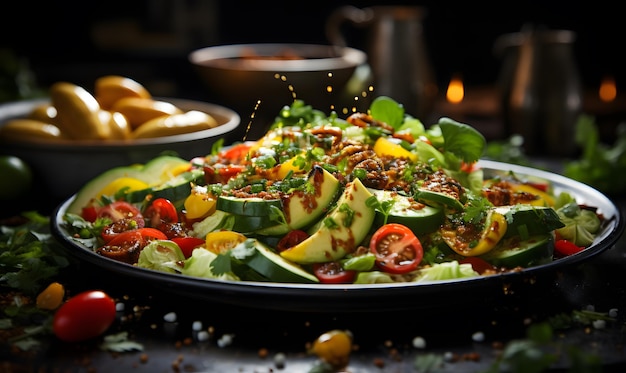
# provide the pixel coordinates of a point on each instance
(333, 273)
(84, 316)
(397, 249)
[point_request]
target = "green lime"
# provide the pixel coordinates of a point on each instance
(16, 177)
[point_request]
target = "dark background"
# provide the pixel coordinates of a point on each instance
(150, 40)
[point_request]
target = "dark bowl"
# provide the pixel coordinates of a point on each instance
(61, 168)
(239, 76)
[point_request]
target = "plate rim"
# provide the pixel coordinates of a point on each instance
(214, 289)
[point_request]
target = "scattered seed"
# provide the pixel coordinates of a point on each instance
(203, 335)
(170, 317)
(196, 326)
(478, 337)
(280, 360)
(599, 324)
(419, 342)
(119, 307)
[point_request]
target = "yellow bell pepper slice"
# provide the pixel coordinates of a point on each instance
(385, 147)
(492, 233)
(129, 184)
(543, 198)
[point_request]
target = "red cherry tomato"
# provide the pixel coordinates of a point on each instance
(120, 210)
(161, 210)
(291, 239)
(126, 246)
(396, 248)
(221, 173)
(479, 265)
(566, 248)
(89, 213)
(188, 244)
(84, 316)
(333, 273)
(235, 154)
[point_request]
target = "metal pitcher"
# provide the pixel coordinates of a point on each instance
(396, 51)
(540, 89)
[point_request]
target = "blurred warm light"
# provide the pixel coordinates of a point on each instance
(455, 91)
(608, 89)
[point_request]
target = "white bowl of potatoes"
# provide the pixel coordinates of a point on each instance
(74, 135)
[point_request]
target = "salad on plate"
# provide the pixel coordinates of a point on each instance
(375, 197)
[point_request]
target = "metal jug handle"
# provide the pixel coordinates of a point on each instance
(358, 17)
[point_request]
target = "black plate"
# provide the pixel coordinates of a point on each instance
(370, 297)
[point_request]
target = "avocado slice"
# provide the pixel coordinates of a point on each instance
(301, 208)
(343, 228)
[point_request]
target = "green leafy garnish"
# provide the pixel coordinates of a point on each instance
(29, 256)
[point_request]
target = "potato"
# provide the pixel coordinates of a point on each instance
(77, 112)
(176, 124)
(110, 88)
(29, 129)
(138, 110)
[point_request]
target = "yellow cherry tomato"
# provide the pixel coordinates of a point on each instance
(222, 241)
(199, 205)
(334, 347)
(386, 147)
(493, 231)
(52, 297)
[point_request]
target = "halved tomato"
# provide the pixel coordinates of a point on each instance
(397, 248)
(333, 273)
(161, 210)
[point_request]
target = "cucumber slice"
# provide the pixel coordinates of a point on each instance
(252, 206)
(422, 220)
(438, 199)
(527, 220)
(175, 189)
(275, 268)
(513, 252)
(249, 224)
